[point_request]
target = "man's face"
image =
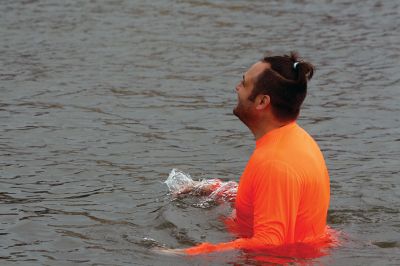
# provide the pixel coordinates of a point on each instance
(245, 109)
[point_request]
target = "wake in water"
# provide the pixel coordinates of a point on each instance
(214, 191)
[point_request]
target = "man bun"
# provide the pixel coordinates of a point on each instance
(286, 84)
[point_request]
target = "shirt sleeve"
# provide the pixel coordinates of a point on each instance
(275, 203)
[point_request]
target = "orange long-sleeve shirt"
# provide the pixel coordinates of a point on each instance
(283, 194)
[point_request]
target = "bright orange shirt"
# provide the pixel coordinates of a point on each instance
(283, 194)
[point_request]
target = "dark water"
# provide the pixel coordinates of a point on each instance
(101, 99)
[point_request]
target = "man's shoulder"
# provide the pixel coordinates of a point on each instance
(268, 162)
(266, 155)
(261, 171)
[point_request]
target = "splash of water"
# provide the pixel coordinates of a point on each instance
(179, 182)
(212, 191)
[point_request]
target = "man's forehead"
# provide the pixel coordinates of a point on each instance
(257, 69)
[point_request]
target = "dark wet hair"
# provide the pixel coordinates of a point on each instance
(285, 84)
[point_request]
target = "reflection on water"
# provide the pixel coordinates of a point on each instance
(100, 100)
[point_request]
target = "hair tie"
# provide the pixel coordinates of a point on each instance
(295, 64)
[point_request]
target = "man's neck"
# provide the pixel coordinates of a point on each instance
(266, 127)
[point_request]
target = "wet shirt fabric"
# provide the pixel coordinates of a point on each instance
(283, 194)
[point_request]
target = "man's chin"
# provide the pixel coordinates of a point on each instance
(236, 112)
(242, 116)
(239, 115)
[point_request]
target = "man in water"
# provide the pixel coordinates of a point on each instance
(283, 194)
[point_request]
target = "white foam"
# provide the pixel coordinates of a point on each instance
(178, 181)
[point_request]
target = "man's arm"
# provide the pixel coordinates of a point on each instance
(204, 187)
(275, 199)
(216, 190)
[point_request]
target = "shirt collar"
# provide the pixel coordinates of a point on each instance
(274, 132)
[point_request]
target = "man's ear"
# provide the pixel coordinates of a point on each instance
(263, 101)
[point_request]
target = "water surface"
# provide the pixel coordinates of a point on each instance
(101, 99)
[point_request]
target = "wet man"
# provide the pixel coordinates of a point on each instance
(283, 194)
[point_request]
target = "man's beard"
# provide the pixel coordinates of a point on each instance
(240, 112)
